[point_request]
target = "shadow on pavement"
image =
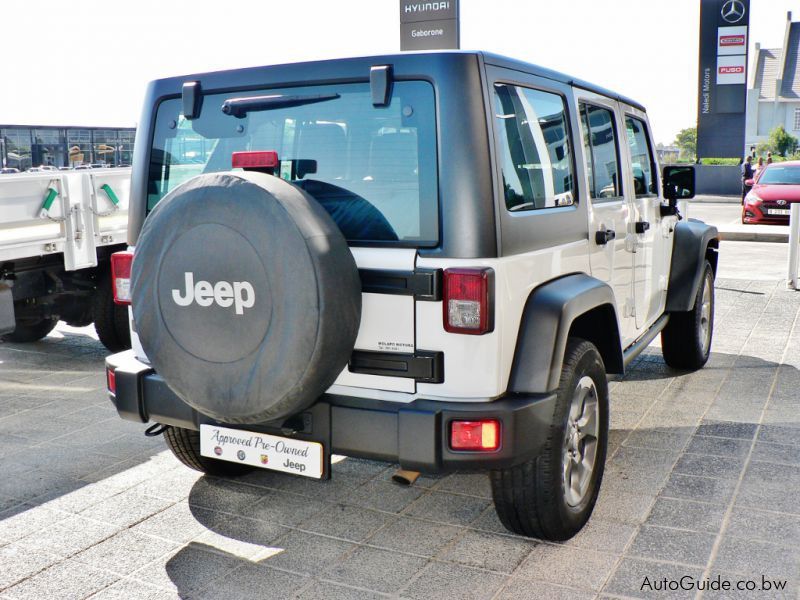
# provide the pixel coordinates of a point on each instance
(681, 445)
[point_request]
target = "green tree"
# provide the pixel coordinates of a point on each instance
(780, 142)
(686, 140)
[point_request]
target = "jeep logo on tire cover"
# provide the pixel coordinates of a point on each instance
(240, 294)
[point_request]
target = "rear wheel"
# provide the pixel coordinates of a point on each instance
(31, 331)
(185, 445)
(686, 340)
(110, 319)
(552, 495)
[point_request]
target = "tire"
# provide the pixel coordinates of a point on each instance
(269, 346)
(185, 445)
(110, 319)
(31, 331)
(532, 499)
(686, 340)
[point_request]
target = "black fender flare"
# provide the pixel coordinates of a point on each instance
(689, 250)
(548, 316)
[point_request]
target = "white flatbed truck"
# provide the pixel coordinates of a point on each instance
(57, 232)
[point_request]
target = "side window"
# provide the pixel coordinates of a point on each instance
(642, 162)
(535, 152)
(602, 152)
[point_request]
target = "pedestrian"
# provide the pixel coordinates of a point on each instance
(747, 175)
(769, 158)
(759, 167)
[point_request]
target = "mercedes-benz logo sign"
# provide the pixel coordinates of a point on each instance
(733, 11)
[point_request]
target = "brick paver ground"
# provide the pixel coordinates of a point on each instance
(703, 481)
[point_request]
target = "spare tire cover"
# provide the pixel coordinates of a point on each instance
(245, 296)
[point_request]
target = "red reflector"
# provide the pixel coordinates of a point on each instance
(111, 379)
(121, 276)
(475, 435)
(254, 160)
(467, 306)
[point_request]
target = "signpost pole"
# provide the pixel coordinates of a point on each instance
(794, 245)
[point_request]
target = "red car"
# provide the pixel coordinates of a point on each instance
(774, 189)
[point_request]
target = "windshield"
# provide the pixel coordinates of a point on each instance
(781, 175)
(372, 168)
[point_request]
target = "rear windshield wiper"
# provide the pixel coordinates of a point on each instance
(239, 107)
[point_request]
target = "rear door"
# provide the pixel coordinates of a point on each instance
(609, 210)
(652, 236)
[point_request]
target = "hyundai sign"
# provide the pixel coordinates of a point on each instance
(722, 85)
(429, 25)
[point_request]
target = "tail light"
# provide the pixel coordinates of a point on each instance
(121, 276)
(475, 435)
(468, 301)
(111, 380)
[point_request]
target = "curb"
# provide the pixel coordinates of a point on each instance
(716, 200)
(753, 236)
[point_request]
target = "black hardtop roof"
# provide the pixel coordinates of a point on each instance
(487, 57)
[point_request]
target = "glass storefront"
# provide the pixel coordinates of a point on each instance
(25, 147)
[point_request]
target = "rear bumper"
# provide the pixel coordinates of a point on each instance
(415, 434)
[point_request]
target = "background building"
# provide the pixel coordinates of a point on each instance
(773, 94)
(26, 146)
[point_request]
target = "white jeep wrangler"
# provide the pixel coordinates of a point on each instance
(430, 259)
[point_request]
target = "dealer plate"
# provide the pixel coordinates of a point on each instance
(262, 450)
(778, 211)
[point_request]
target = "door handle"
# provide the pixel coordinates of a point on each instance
(641, 226)
(601, 238)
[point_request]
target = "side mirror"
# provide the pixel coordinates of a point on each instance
(750, 182)
(678, 182)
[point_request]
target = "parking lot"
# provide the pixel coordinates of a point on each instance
(700, 482)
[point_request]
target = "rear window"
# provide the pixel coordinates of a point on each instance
(372, 168)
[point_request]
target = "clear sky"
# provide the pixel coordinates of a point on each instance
(86, 62)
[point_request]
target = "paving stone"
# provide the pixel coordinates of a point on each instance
(65, 581)
(524, 589)
(624, 507)
(448, 508)
(600, 534)
(773, 527)
(19, 563)
(126, 509)
(70, 536)
(636, 578)
(710, 466)
(780, 434)
(443, 581)
(703, 489)
(307, 553)
(471, 484)
(777, 453)
(125, 552)
(685, 514)
(727, 429)
(347, 522)
(129, 589)
(415, 536)
(254, 581)
(240, 536)
(754, 558)
(376, 569)
(187, 569)
(674, 545)
(326, 590)
(181, 523)
(487, 551)
(383, 495)
(579, 568)
(717, 446)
